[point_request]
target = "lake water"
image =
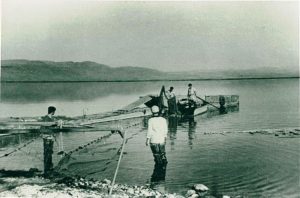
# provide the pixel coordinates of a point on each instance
(233, 163)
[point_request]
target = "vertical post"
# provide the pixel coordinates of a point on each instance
(118, 165)
(161, 100)
(61, 143)
(48, 151)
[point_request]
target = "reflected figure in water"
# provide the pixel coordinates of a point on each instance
(222, 109)
(214, 186)
(191, 131)
(158, 177)
(173, 122)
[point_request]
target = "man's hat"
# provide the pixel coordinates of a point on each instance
(154, 109)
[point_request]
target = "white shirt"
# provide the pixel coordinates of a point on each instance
(170, 95)
(191, 93)
(157, 130)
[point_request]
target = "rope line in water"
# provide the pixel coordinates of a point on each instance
(19, 148)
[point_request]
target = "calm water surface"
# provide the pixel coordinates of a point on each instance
(230, 163)
(264, 103)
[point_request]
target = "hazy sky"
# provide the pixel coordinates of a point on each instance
(159, 35)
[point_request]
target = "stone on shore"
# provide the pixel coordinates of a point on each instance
(190, 193)
(194, 196)
(106, 181)
(130, 190)
(200, 188)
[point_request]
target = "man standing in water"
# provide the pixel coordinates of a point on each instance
(172, 106)
(50, 116)
(170, 93)
(157, 136)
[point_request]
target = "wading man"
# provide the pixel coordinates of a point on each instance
(157, 136)
(50, 116)
(172, 106)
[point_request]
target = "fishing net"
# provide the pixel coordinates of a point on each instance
(85, 154)
(97, 156)
(21, 152)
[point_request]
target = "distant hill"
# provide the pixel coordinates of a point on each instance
(27, 70)
(24, 70)
(263, 72)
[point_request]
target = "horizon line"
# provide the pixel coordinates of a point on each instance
(204, 79)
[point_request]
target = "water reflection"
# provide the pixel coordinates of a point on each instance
(191, 131)
(211, 111)
(35, 92)
(173, 122)
(214, 186)
(158, 177)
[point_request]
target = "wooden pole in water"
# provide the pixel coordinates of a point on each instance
(48, 151)
(119, 161)
(161, 100)
(208, 102)
(61, 142)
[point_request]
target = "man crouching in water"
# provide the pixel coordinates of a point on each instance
(157, 136)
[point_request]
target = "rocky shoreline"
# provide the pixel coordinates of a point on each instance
(73, 187)
(38, 186)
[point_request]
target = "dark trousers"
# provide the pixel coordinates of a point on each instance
(159, 173)
(159, 153)
(172, 106)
